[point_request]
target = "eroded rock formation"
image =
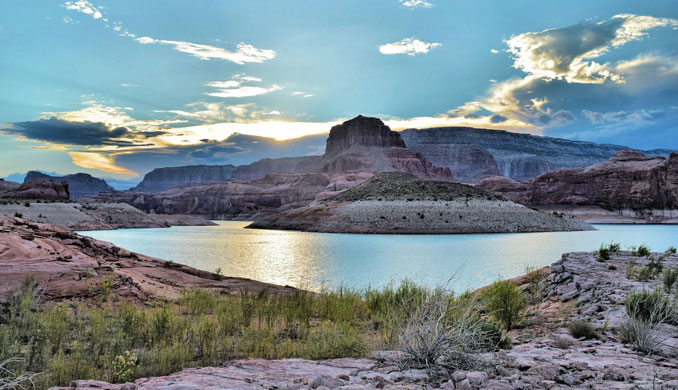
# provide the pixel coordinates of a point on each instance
(80, 185)
(40, 189)
(629, 180)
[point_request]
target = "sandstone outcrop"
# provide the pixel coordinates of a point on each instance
(469, 152)
(68, 265)
(80, 185)
(361, 131)
(41, 189)
(629, 182)
(8, 185)
(401, 203)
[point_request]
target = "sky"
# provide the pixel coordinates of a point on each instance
(117, 88)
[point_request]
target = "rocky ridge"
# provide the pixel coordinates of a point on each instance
(80, 185)
(630, 183)
(397, 202)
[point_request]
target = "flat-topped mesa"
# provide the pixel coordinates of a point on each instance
(361, 131)
(631, 155)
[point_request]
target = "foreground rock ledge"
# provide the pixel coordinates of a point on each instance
(68, 265)
(577, 287)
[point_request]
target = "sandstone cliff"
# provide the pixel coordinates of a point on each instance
(629, 180)
(161, 179)
(80, 185)
(401, 203)
(474, 154)
(361, 131)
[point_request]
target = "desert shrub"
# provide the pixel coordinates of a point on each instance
(535, 283)
(18, 215)
(648, 306)
(640, 335)
(563, 343)
(612, 267)
(27, 204)
(123, 367)
(218, 274)
(581, 328)
(642, 251)
(671, 250)
(504, 301)
(11, 379)
(670, 278)
(440, 327)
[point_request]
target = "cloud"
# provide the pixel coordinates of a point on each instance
(416, 3)
(235, 88)
(562, 66)
(498, 118)
(55, 130)
(409, 46)
(568, 53)
(244, 53)
(85, 7)
(635, 117)
(100, 162)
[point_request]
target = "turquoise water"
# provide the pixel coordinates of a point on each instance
(318, 260)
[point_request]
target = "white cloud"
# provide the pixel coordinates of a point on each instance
(409, 46)
(85, 7)
(568, 53)
(244, 53)
(554, 58)
(416, 3)
(235, 87)
(494, 51)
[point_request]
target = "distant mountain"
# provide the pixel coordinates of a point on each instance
(473, 154)
(80, 185)
(161, 179)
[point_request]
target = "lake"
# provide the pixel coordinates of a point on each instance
(324, 260)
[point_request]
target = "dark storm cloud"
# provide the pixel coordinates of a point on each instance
(61, 131)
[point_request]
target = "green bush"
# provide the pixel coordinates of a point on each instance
(641, 251)
(670, 279)
(671, 250)
(605, 251)
(640, 335)
(535, 283)
(18, 215)
(505, 301)
(581, 328)
(648, 306)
